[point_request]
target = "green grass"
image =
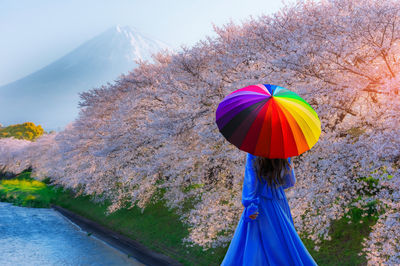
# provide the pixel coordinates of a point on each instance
(346, 241)
(24, 191)
(161, 230)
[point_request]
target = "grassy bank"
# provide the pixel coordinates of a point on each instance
(161, 230)
(27, 192)
(157, 228)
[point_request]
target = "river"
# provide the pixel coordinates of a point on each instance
(35, 236)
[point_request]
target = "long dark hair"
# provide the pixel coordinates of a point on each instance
(270, 170)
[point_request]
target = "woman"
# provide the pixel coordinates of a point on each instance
(265, 234)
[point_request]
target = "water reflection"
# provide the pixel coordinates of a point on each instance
(30, 236)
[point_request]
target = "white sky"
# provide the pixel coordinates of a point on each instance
(35, 33)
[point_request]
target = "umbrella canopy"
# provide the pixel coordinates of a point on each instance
(268, 121)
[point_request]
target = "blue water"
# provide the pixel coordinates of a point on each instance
(32, 236)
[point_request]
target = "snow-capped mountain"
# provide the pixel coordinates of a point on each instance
(50, 97)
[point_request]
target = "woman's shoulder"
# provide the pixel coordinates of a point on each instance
(250, 156)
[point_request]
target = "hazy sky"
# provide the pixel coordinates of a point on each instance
(35, 33)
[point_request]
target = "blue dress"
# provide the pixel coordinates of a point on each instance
(271, 238)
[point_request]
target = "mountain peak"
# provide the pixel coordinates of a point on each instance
(56, 86)
(118, 28)
(135, 37)
(121, 29)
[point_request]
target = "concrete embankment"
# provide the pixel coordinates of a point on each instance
(123, 243)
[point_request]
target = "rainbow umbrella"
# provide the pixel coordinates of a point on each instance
(268, 121)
